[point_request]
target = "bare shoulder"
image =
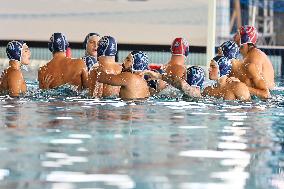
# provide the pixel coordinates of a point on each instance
(256, 55)
(77, 61)
(42, 68)
(177, 70)
(14, 74)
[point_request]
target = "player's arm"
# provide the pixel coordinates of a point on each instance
(241, 91)
(111, 79)
(260, 88)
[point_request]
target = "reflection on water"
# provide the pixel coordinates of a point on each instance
(76, 142)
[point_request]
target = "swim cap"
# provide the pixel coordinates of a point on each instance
(224, 64)
(89, 61)
(230, 49)
(58, 43)
(248, 34)
(14, 50)
(88, 37)
(140, 61)
(107, 46)
(180, 47)
(195, 76)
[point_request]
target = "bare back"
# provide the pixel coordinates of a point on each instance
(64, 70)
(104, 90)
(264, 65)
(136, 88)
(175, 69)
(12, 81)
(229, 91)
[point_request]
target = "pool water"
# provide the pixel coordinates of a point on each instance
(56, 140)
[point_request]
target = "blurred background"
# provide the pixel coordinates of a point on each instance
(148, 25)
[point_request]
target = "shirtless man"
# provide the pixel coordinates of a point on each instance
(256, 70)
(107, 50)
(132, 82)
(176, 66)
(12, 80)
(220, 68)
(62, 70)
(90, 45)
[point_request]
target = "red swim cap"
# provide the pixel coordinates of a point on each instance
(248, 34)
(180, 47)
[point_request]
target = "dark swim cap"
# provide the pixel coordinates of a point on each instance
(14, 50)
(107, 46)
(195, 76)
(58, 43)
(230, 49)
(225, 65)
(140, 61)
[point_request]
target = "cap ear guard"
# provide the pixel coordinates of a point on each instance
(195, 76)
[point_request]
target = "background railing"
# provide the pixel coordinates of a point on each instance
(158, 54)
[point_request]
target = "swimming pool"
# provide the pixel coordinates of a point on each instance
(55, 142)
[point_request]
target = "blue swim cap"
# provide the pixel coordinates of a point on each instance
(225, 65)
(58, 43)
(89, 61)
(87, 39)
(230, 49)
(107, 46)
(195, 76)
(140, 61)
(14, 50)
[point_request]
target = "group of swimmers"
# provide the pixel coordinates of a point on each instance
(236, 78)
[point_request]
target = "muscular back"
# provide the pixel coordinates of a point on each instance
(229, 91)
(175, 70)
(12, 81)
(104, 90)
(62, 71)
(264, 65)
(136, 88)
